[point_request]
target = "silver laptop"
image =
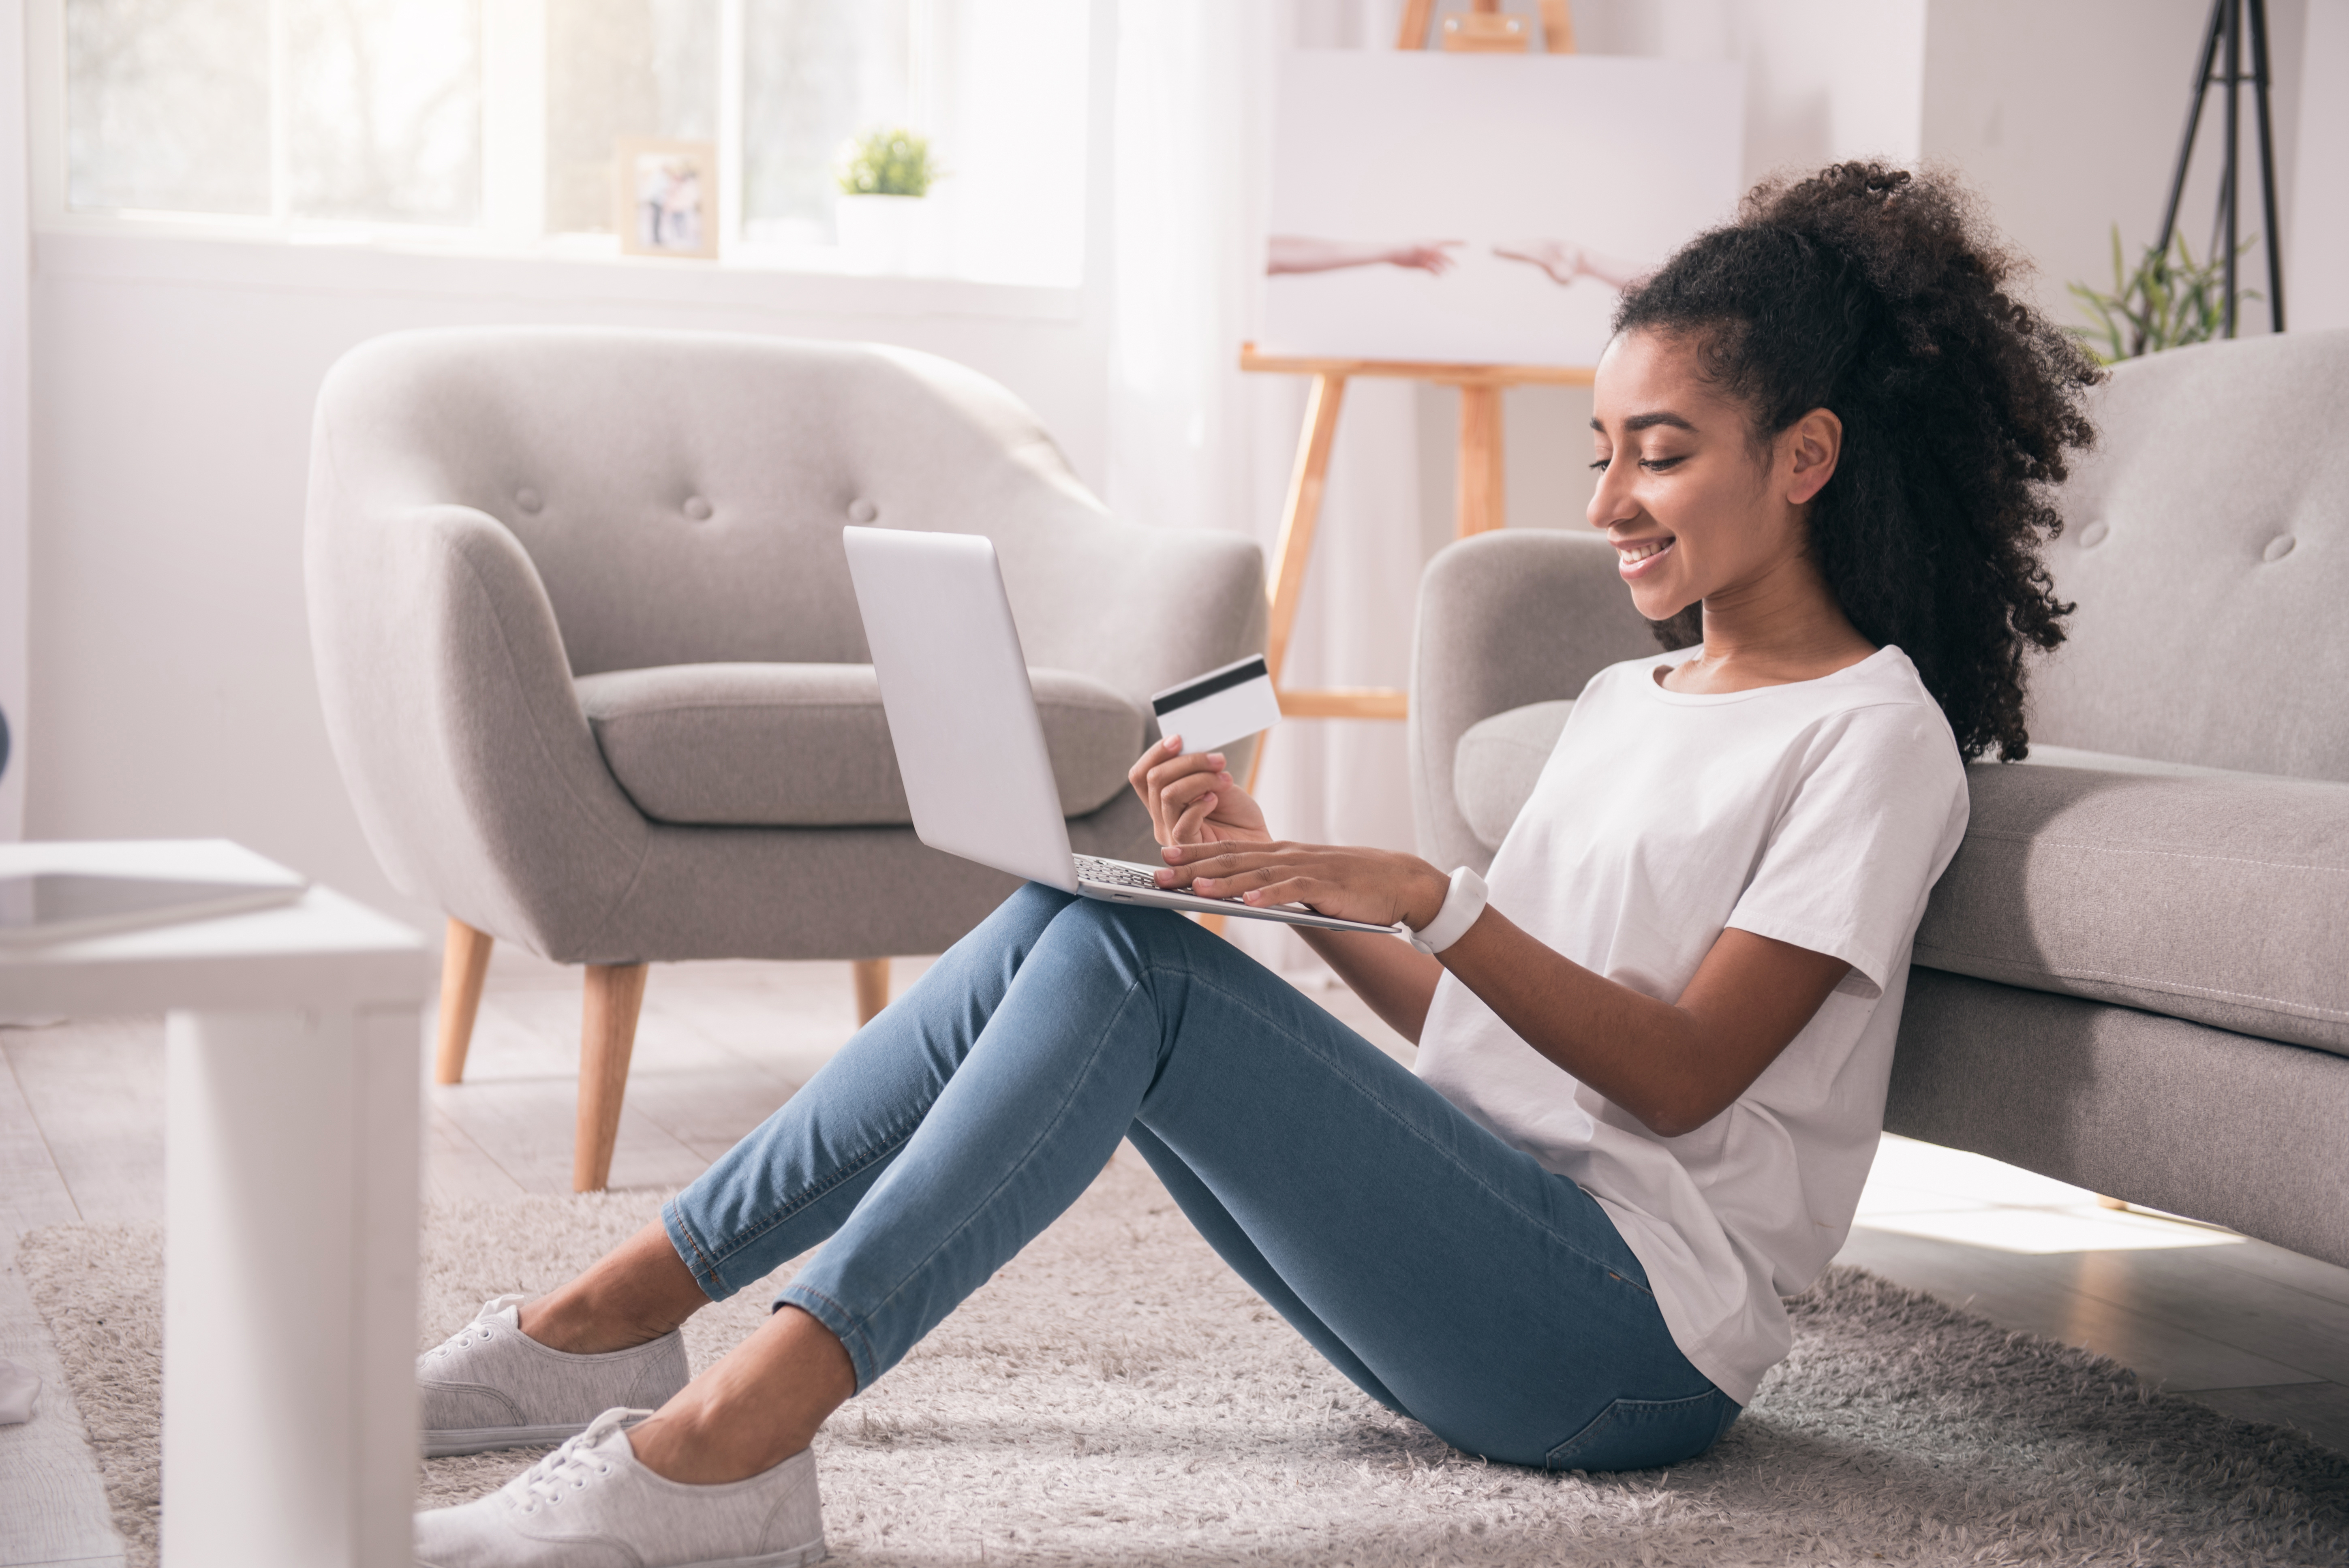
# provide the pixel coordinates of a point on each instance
(963, 718)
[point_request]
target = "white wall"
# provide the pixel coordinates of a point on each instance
(1824, 80)
(2067, 118)
(173, 384)
(2316, 278)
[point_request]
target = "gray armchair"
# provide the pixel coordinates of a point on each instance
(2135, 974)
(594, 675)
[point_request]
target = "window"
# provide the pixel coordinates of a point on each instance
(498, 117)
(813, 75)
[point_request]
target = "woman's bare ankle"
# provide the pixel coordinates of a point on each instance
(676, 1447)
(575, 1328)
(756, 1407)
(632, 1295)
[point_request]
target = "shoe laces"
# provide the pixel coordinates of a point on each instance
(570, 1468)
(480, 1330)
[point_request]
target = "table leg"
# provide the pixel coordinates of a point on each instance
(289, 1289)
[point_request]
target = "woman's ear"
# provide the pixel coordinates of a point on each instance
(1813, 442)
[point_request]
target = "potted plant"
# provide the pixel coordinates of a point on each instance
(886, 224)
(2169, 300)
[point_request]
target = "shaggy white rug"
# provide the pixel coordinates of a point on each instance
(1116, 1395)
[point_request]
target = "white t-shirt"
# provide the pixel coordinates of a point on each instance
(1819, 813)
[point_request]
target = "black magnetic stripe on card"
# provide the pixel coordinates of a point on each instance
(1240, 673)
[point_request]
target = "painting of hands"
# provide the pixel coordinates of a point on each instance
(1483, 208)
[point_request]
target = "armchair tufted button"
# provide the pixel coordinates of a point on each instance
(696, 508)
(2094, 534)
(528, 499)
(2279, 547)
(863, 511)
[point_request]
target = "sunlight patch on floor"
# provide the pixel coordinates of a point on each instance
(1923, 1189)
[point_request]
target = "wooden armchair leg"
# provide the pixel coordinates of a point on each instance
(872, 989)
(464, 961)
(607, 1036)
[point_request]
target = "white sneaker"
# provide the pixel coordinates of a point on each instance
(490, 1386)
(590, 1502)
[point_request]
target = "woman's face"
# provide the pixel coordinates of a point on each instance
(1694, 510)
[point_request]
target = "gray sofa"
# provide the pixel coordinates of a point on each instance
(2135, 974)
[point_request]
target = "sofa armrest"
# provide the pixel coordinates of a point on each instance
(1505, 619)
(2216, 898)
(451, 708)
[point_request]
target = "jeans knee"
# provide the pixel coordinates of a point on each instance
(1136, 931)
(1020, 919)
(1035, 901)
(1139, 946)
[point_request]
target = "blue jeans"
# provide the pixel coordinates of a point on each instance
(1449, 1275)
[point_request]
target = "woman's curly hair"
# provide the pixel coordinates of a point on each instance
(1877, 294)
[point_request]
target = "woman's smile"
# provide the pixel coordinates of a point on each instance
(1637, 557)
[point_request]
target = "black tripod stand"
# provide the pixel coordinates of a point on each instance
(2226, 31)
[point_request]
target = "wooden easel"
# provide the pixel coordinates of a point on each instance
(1479, 501)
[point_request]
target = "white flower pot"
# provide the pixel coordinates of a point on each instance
(886, 233)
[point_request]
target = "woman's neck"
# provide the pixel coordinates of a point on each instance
(1784, 627)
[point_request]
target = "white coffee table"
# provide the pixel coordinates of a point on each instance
(293, 1075)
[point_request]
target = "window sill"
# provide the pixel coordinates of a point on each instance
(567, 271)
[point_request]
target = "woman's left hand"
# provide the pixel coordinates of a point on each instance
(1377, 886)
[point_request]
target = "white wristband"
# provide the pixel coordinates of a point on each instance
(1462, 906)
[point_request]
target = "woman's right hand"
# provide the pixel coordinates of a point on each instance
(1194, 799)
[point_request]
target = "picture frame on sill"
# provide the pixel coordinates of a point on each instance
(665, 197)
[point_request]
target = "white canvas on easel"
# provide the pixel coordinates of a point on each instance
(1629, 157)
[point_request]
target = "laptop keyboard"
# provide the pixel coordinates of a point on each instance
(1117, 873)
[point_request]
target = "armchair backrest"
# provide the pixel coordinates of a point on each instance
(680, 496)
(2207, 546)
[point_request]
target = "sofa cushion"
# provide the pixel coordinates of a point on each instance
(2215, 896)
(1497, 762)
(2218, 897)
(807, 745)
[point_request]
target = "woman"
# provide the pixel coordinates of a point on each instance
(1653, 1054)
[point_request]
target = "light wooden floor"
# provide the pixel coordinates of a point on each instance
(2249, 1328)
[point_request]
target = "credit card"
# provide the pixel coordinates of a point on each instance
(1212, 710)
